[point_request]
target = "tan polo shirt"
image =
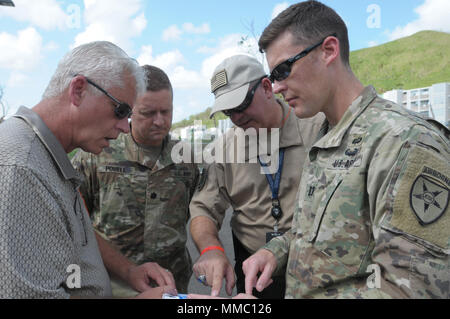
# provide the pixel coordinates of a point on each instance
(246, 189)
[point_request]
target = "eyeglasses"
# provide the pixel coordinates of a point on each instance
(121, 110)
(247, 101)
(283, 70)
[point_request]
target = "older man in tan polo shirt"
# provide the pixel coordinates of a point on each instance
(263, 205)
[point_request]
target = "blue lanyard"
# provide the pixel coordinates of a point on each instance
(274, 184)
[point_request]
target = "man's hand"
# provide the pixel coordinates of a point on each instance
(215, 266)
(138, 277)
(262, 261)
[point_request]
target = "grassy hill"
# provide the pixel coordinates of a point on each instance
(412, 62)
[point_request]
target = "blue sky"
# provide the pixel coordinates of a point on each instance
(185, 38)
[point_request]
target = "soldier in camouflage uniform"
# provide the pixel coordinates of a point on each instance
(372, 218)
(138, 198)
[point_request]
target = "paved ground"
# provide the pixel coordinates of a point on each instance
(227, 240)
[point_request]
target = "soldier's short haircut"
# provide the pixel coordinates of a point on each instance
(157, 79)
(308, 22)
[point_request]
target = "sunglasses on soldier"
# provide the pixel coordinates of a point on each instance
(283, 70)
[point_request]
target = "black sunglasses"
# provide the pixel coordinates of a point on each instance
(121, 110)
(247, 101)
(283, 70)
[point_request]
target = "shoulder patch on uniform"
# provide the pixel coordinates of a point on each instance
(428, 200)
(203, 178)
(421, 202)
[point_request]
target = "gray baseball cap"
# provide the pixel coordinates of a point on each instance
(231, 81)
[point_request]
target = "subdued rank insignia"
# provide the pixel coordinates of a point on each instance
(428, 200)
(202, 179)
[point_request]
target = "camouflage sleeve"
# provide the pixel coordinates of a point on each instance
(280, 246)
(408, 187)
(84, 163)
(210, 199)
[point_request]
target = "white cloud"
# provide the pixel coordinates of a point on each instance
(45, 14)
(190, 28)
(172, 63)
(146, 56)
(21, 51)
(51, 46)
(174, 33)
(206, 50)
(187, 79)
(166, 61)
(191, 86)
(280, 7)
(228, 46)
(16, 79)
(433, 15)
(112, 20)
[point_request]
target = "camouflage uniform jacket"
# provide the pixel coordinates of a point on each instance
(372, 218)
(141, 208)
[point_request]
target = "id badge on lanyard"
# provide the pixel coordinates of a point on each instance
(274, 185)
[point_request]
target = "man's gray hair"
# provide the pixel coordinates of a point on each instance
(102, 62)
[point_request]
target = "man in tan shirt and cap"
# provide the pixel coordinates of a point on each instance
(262, 196)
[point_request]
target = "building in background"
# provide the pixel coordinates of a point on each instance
(224, 126)
(198, 131)
(433, 101)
